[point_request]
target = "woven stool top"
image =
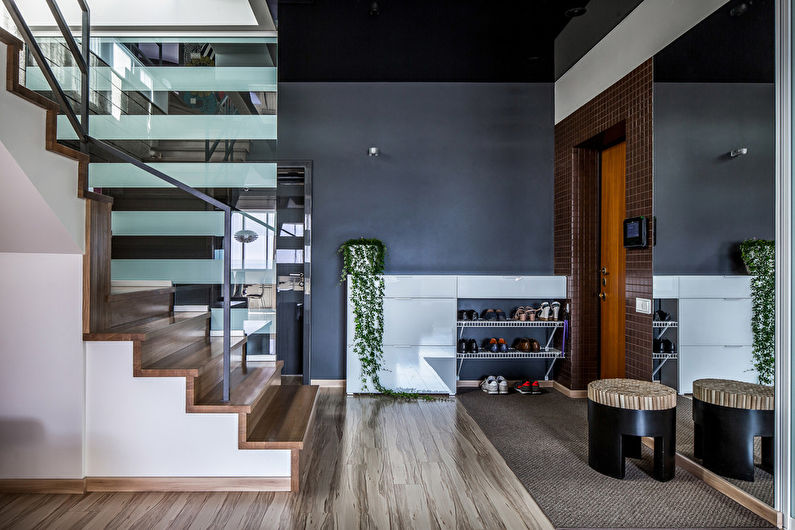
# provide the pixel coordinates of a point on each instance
(632, 394)
(734, 394)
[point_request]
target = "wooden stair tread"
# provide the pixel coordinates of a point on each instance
(124, 293)
(247, 387)
(194, 357)
(141, 330)
(286, 420)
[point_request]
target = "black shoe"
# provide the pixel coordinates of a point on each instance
(667, 346)
(473, 315)
(461, 315)
(489, 314)
(661, 316)
(500, 314)
(656, 346)
(472, 346)
(462, 346)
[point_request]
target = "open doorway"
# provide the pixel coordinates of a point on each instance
(293, 267)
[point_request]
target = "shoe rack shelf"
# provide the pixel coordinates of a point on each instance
(664, 357)
(509, 324)
(512, 354)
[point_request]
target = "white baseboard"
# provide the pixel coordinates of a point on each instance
(330, 383)
(180, 308)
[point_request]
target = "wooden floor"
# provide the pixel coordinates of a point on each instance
(374, 463)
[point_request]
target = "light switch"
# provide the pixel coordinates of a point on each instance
(643, 305)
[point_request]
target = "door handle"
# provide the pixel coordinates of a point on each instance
(604, 271)
(602, 296)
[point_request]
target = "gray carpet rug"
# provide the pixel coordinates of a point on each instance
(762, 486)
(544, 441)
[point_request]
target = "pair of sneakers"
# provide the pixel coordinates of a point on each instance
(494, 385)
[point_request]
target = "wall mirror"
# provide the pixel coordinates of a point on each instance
(714, 177)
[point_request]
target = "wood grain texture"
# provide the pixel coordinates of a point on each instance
(632, 394)
(566, 391)
(43, 485)
(613, 307)
(735, 394)
(96, 266)
(130, 484)
(131, 304)
(362, 470)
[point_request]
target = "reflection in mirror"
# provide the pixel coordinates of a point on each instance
(714, 173)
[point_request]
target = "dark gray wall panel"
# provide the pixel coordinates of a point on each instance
(463, 185)
(705, 202)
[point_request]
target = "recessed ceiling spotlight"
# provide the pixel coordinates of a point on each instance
(534, 58)
(575, 12)
(740, 9)
(375, 9)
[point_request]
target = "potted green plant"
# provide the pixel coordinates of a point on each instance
(363, 267)
(759, 257)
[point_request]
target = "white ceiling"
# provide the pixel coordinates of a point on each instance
(153, 13)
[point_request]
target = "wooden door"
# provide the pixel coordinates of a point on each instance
(612, 273)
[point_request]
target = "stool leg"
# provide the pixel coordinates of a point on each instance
(728, 450)
(605, 453)
(768, 454)
(631, 446)
(664, 457)
(697, 441)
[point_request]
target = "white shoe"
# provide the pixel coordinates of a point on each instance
(543, 313)
(502, 383)
(555, 310)
(490, 385)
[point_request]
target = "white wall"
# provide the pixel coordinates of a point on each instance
(137, 426)
(41, 354)
(648, 29)
(39, 204)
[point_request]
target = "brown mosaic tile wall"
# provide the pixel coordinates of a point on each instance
(576, 250)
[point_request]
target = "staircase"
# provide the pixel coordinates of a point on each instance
(178, 347)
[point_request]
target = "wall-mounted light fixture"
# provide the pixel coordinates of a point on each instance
(373, 151)
(740, 151)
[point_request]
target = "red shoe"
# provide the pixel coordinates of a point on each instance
(528, 387)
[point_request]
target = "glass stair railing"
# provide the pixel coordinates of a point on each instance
(194, 174)
(192, 109)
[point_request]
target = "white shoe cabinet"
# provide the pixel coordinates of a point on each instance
(420, 327)
(715, 338)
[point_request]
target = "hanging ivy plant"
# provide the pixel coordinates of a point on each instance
(760, 260)
(363, 262)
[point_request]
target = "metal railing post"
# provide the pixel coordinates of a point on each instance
(227, 300)
(85, 81)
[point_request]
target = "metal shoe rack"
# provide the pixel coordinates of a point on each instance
(660, 327)
(547, 352)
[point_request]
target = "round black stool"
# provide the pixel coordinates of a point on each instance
(620, 412)
(727, 415)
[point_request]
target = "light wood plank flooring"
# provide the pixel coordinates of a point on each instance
(374, 463)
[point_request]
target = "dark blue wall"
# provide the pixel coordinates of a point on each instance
(705, 202)
(464, 183)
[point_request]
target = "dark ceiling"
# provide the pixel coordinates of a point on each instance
(420, 40)
(724, 48)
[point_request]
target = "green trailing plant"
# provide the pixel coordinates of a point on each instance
(759, 257)
(363, 263)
